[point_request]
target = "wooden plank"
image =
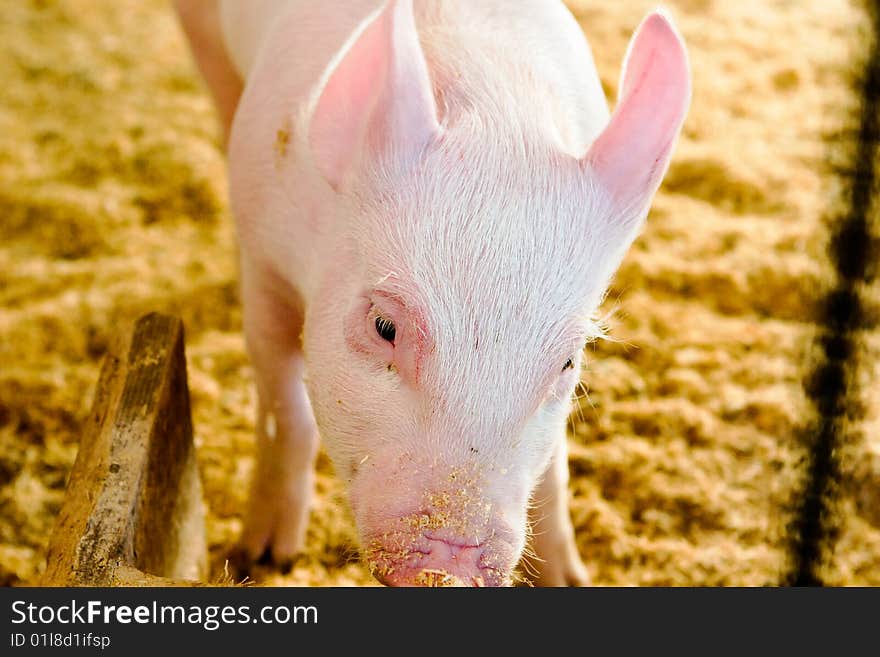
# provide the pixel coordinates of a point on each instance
(133, 502)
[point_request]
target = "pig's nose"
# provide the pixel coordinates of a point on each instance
(438, 562)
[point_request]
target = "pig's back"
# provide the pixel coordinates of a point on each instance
(530, 50)
(313, 30)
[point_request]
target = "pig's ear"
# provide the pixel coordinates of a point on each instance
(378, 95)
(631, 155)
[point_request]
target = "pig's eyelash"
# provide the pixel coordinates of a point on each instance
(569, 365)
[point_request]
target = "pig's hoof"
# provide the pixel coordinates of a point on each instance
(242, 562)
(282, 564)
(274, 532)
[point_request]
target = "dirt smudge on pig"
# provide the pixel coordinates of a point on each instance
(282, 142)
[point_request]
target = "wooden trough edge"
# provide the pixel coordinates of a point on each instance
(133, 513)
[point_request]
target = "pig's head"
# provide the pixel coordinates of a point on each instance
(469, 259)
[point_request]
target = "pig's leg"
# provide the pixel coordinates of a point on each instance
(287, 438)
(558, 562)
(201, 24)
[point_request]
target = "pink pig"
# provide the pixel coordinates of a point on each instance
(431, 201)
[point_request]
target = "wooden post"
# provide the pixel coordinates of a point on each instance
(133, 512)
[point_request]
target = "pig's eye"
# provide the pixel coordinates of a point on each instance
(569, 365)
(385, 328)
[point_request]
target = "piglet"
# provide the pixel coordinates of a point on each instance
(430, 200)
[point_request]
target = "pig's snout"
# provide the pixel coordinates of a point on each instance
(434, 562)
(459, 533)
